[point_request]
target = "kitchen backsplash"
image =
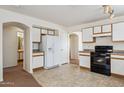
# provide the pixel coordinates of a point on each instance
(104, 41)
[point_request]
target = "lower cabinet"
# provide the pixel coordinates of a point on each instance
(117, 66)
(37, 61)
(84, 61)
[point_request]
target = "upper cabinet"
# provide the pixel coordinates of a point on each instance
(107, 28)
(50, 32)
(97, 29)
(36, 35)
(44, 31)
(104, 30)
(87, 35)
(118, 32)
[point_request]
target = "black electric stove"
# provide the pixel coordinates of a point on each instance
(100, 60)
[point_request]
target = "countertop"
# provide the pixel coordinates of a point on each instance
(87, 51)
(115, 52)
(38, 53)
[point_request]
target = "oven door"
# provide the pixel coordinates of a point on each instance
(99, 60)
(102, 62)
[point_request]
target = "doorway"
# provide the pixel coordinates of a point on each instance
(20, 47)
(74, 42)
(16, 39)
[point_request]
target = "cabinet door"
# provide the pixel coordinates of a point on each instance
(118, 32)
(88, 35)
(50, 32)
(117, 66)
(36, 35)
(97, 29)
(84, 61)
(37, 62)
(44, 31)
(106, 28)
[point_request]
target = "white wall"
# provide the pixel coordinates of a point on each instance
(104, 41)
(8, 16)
(74, 46)
(10, 46)
(79, 34)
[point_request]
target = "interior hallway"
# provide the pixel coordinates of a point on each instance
(17, 77)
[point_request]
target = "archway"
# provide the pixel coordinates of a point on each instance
(74, 42)
(27, 62)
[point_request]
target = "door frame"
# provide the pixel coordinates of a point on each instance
(27, 66)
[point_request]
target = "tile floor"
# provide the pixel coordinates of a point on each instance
(71, 75)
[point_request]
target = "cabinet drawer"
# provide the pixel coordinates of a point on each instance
(37, 61)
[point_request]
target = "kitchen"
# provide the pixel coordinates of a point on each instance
(46, 48)
(100, 45)
(104, 35)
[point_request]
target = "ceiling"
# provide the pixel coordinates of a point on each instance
(66, 15)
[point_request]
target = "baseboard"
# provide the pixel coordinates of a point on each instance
(85, 68)
(48, 68)
(74, 59)
(36, 69)
(64, 63)
(117, 75)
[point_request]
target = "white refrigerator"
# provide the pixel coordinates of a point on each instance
(50, 46)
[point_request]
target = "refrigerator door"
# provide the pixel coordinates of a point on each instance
(49, 52)
(56, 51)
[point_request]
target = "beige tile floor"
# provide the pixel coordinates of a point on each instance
(71, 75)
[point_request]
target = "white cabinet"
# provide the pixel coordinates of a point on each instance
(37, 61)
(44, 31)
(84, 61)
(35, 35)
(106, 28)
(88, 35)
(118, 32)
(117, 66)
(51, 32)
(97, 30)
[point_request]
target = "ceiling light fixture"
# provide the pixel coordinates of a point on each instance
(108, 10)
